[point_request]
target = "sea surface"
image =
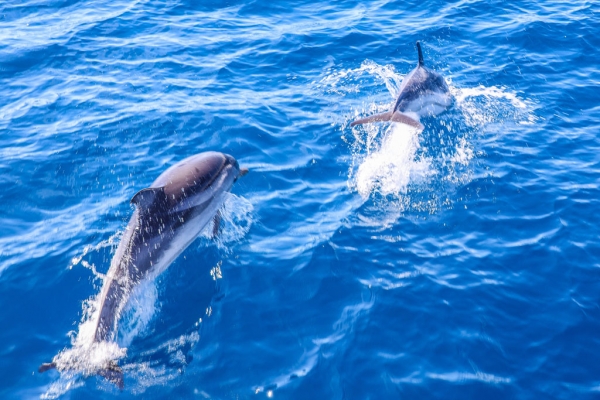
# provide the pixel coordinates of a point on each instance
(366, 262)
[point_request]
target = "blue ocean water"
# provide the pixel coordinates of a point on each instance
(359, 262)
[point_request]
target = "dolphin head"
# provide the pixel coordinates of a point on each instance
(190, 183)
(422, 91)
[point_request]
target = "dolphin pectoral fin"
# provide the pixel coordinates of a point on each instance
(46, 366)
(405, 119)
(386, 116)
(216, 224)
(113, 373)
(145, 198)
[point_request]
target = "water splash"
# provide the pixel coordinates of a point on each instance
(152, 373)
(140, 309)
(236, 221)
(391, 168)
(352, 80)
(81, 360)
(401, 169)
(112, 242)
(482, 106)
(396, 166)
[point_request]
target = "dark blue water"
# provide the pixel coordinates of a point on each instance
(354, 263)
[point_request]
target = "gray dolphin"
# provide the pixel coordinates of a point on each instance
(422, 92)
(168, 216)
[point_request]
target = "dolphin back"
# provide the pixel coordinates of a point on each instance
(193, 175)
(149, 198)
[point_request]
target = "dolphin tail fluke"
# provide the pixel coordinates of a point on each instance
(405, 119)
(420, 54)
(389, 116)
(386, 116)
(46, 366)
(113, 373)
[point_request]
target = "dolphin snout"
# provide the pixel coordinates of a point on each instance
(230, 160)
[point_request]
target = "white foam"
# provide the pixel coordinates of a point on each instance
(82, 359)
(391, 168)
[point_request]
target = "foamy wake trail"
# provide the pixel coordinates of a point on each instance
(394, 165)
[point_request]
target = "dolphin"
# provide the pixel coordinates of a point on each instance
(422, 92)
(168, 216)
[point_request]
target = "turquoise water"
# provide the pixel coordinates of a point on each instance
(365, 262)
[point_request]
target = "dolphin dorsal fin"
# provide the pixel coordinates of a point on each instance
(146, 198)
(421, 64)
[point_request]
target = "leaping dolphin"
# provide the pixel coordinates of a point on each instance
(168, 216)
(422, 92)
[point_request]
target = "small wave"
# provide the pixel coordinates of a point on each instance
(336, 340)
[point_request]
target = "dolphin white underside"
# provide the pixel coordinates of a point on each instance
(428, 105)
(185, 236)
